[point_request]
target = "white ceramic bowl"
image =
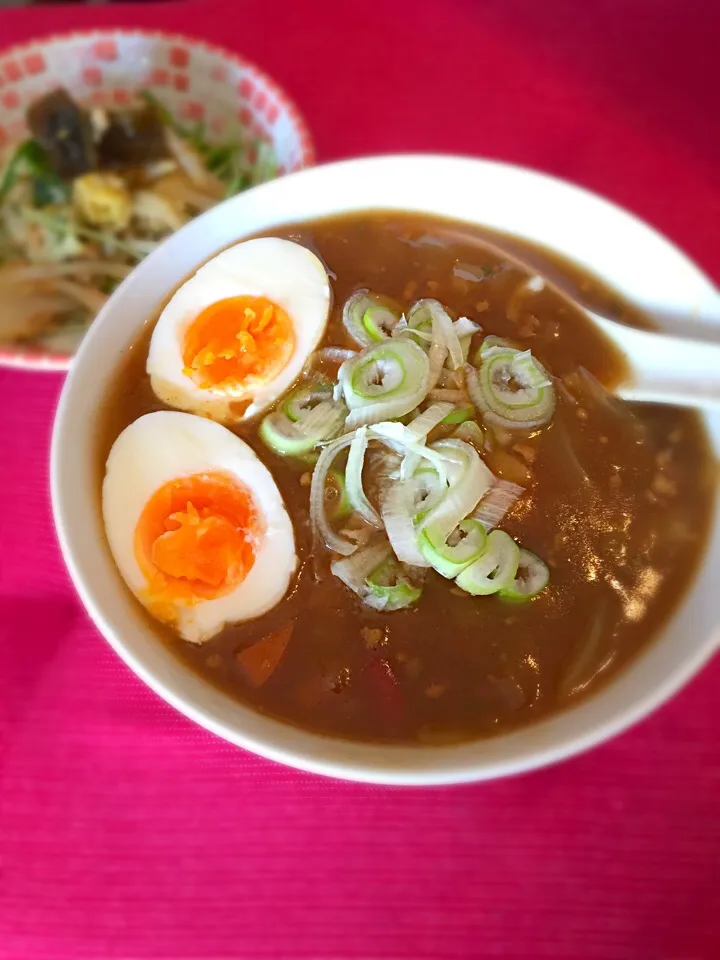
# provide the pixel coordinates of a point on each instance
(196, 81)
(620, 249)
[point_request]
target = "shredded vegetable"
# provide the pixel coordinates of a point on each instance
(94, 191)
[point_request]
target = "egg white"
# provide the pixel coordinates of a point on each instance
(286, 273)
(165, 446)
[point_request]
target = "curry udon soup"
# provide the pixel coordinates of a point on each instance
(400, 503)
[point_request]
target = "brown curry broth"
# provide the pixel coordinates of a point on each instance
(621, 553)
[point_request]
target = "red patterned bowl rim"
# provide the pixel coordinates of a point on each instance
(29, 359)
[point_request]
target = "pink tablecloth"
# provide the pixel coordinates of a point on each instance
(125, 831)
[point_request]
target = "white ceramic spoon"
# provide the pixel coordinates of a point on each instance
(664, 369)
(661, 368)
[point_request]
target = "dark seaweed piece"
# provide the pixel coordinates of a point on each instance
(133, 137)
(63, 130)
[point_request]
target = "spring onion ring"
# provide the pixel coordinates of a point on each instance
(303, 398)
(299, 438)
(512, 387)
(491, 344)
(384, 382)
(450, 557)
(367, 319)
(530, 580)
(389, 588)
(495, 569)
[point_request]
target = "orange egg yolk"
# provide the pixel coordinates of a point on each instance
(196, 540)
(240, 342)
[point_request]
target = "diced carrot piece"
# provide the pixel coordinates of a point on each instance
(260, 660)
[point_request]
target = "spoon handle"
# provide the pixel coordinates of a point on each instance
(666, 369)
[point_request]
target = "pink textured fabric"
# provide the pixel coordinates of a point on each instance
(126, 832)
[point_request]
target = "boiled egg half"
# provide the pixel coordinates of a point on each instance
(237, 334)
(196, 524)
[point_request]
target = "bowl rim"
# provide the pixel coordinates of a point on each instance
(24, 358)
(392, 771)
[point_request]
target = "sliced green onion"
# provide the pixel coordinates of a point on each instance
(379, 374)
(459, 415)
(423, 424)
(318, 517)
(465, 330)
(471, 433)
(337, 502)
(379, 321)
(389, 588)
(432, 327)
(353, 570)
(450, 557)
(425, 329)
(384, 382)
(512, 388)
(403, 440)
(368, 319)
(465, 327)
(428, 490)
(495, 569)
(298, 439)
(398, 511)
(489, 346)
(530, 580)
(354, 477)
(420, 323)
(428, 320)
(304, 398)
(501, 497)
(452, 341)
(380, 581)
(468, 479)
